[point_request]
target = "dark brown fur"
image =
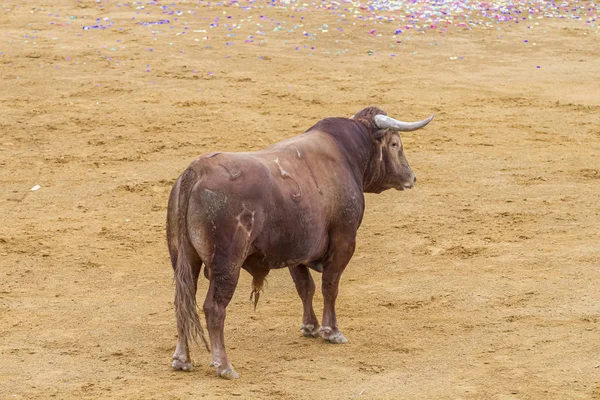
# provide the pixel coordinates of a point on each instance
(296, 204)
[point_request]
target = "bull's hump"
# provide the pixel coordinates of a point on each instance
(307, 136)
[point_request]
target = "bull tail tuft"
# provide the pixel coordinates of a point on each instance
(186, 311)
(257, 287)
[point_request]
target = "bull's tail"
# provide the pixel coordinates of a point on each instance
(188, 321)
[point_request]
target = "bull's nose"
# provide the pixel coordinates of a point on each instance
(410, 185)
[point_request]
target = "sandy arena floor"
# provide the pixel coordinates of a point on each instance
(480, 283)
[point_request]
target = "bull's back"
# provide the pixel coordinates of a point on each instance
(269, 199)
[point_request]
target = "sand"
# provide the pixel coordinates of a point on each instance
(480, 283)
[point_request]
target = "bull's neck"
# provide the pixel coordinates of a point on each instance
(372, 169)
(374, 173)
(356, 144)
(354, 141)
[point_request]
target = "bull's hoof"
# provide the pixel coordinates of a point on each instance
(332, 336)
(181, 366)
(309, 330)
(227, 373)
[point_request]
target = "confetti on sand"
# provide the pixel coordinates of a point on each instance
(243, 23)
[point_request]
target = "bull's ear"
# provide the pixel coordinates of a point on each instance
(379, 134)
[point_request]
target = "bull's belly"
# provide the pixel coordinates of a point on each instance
(307, 250)
(276, 263)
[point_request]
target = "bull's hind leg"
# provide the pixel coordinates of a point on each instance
(181, 357)
(305, 286)
(224, 275)
(340, 254)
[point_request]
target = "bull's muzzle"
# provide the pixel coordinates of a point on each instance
(410, 184)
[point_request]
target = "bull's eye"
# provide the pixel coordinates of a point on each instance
(394, 145)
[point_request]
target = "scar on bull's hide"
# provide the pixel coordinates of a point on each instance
(232, 175)
(285, 175)
(309, 170)
(246, 220)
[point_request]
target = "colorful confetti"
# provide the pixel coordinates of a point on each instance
(177, 23)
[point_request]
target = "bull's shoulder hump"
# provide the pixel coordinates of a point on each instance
(313, 142)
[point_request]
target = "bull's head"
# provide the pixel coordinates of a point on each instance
(389, 168)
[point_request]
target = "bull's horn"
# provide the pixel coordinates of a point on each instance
(385, 122)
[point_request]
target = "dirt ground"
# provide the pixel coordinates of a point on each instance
(480, 283)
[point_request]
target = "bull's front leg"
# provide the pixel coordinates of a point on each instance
(340, 253)
(306, 290)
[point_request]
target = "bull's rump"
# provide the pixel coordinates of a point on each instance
(264, 202)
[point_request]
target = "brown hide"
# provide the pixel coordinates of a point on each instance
(297, 203)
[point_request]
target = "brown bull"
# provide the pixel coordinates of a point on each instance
(296, 204)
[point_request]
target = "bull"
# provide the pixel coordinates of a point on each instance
(296, 204)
